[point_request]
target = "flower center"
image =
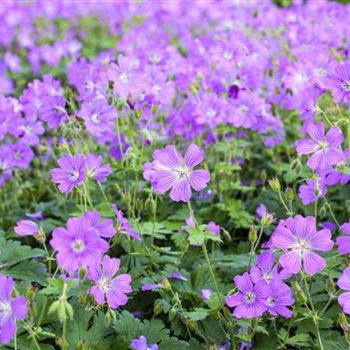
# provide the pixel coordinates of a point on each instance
(95, 118)
(249, 297)
(211, 113)
(346, 85)
(104, 284)
(270, 301)
(5, 309)
(74, 175)
(124, 78)
(78, 246)
(156, 89)
(302, 246)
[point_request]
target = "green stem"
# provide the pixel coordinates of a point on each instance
(314, 316)
(205, 252)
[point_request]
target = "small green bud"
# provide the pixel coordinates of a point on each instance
(252, 235)
(330, 286)
(82, 273)
(172, 314)
(54, 307)
(290, 194)
(275, 184)
(157, 308)
(69, 310)
(192, 325)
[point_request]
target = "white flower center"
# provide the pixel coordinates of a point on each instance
(249, 297)
(302, 247)
(124, 78)
(95, 118)
(211, 113)
(5, 309)
(78, 246)
(74, 175)
(346, 85)
(270, 301)
(104, 284)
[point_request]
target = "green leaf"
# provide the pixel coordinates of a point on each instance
(15, 261)
(197, 315)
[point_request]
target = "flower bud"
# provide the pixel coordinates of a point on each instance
(275, 184)
(330, 286)
(157, 308)
(290, 194)
(252, 235)
(82, 273)
(192, 325)
(172, 314)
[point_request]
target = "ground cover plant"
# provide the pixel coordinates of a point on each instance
(174, 175)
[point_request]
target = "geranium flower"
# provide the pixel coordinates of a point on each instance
(124, 226)
(95, 169)
(71, 172)
(344, 283)
(104, 228)
(325, 149)
(77, 245)
(298, 238)
(11, 309)
(250, 300)
(141, 344)
(170, 171)
(339, 82)
(343, 242)
(108, 286)
(27, 228)
(312, 191)
(280, 297)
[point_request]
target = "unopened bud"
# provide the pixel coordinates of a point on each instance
(252, 235)
(330, 286)
(192, 325)
(275, 184)
(172, 314)
(290, 194)
(157, 308)
(82, 273)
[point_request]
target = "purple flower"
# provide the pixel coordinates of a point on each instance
(170, 171)
(339, 82)
(141, 344)
(343, 242)
(119, 147)
(53, 111)
(27, 228)
(127, 77)
(312, 191)
(95, 169)
(280, 297)
(151, 286)
(77, 245)
(266, 269)
(99, 118)
(298, 238)
(22, 155)
(71, 172)
(108, 286)
(103, 228)
(206, 294)
(325, 149)
(11, 309)
(177, 276)
(124, 226)
(6, 165)
(213, 228)
(344, 283)
(250, 300)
